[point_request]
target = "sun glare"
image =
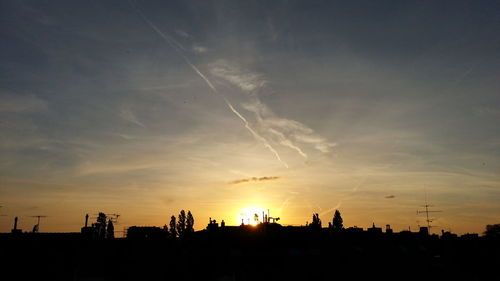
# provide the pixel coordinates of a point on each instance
(251, 215)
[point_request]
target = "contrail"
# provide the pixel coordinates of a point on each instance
(332, 209)
(286, 142)
(257, 136)
(341, 200)
(178, 48)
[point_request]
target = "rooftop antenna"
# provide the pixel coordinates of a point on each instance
(427, 211)
(36, 228)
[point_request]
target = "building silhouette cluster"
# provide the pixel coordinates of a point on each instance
(265, 251)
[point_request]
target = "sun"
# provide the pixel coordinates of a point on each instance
(251, 215)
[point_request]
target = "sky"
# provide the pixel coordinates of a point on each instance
(226, 108)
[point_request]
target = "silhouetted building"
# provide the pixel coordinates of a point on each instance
(87, 231)
(424, 230)
(448, 235)
(14, 229)
(374, 229)
(354, 229)
(146, 232)
(102, 228)
(470, 236)
(213, 225)
(388, 229)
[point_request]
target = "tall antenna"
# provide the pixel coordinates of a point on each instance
(36, 228)
(427, 211)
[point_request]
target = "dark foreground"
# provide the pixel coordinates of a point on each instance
(251, 254)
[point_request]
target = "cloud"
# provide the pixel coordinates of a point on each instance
(199, 49)
(246, 81)
(129, 116)
(286, 132)
(389, 197)
(254, 179)
(182, 33)
(179, 48)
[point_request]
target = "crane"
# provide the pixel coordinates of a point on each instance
(112, 217)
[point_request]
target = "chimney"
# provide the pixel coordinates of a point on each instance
(86, 220)
(15, 223)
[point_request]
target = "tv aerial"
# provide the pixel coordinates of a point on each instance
(36, 227)
(426, 211)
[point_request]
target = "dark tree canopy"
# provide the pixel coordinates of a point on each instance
(337, 223)
(110, 230)
(316, 221)
(181, 223)
(189, 223)
(173, 227)
(101, 218)
(492, 230)
(100, 225)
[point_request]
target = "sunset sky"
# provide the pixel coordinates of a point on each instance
(144, 108)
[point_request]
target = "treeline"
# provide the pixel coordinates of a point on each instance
(183, 225)
(336, 224)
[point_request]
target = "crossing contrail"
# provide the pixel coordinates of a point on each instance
(257, 136)
(178, 48)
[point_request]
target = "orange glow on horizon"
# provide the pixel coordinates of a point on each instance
(250, 215)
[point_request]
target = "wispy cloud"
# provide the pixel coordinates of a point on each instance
(247, 81)
(254, 179)
(199, 49)
(389, 197)
(179, 48)
(286, 132)
(182, 33)
(130, 116)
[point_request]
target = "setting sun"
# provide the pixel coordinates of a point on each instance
(251, 215)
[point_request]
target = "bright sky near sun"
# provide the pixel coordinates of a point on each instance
(231, 108)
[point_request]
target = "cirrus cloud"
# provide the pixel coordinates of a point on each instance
(286, 132)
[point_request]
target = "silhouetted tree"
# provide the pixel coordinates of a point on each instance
(110, 230)
(492, 230)
(189, 223)
(316, 221)
(181, 223)
(337, 223)
(100, 225)
(173, 227)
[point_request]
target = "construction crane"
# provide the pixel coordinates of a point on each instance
(112, 217)
(36, 227)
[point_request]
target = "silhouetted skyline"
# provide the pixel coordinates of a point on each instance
(265, 250)
(230, 108)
